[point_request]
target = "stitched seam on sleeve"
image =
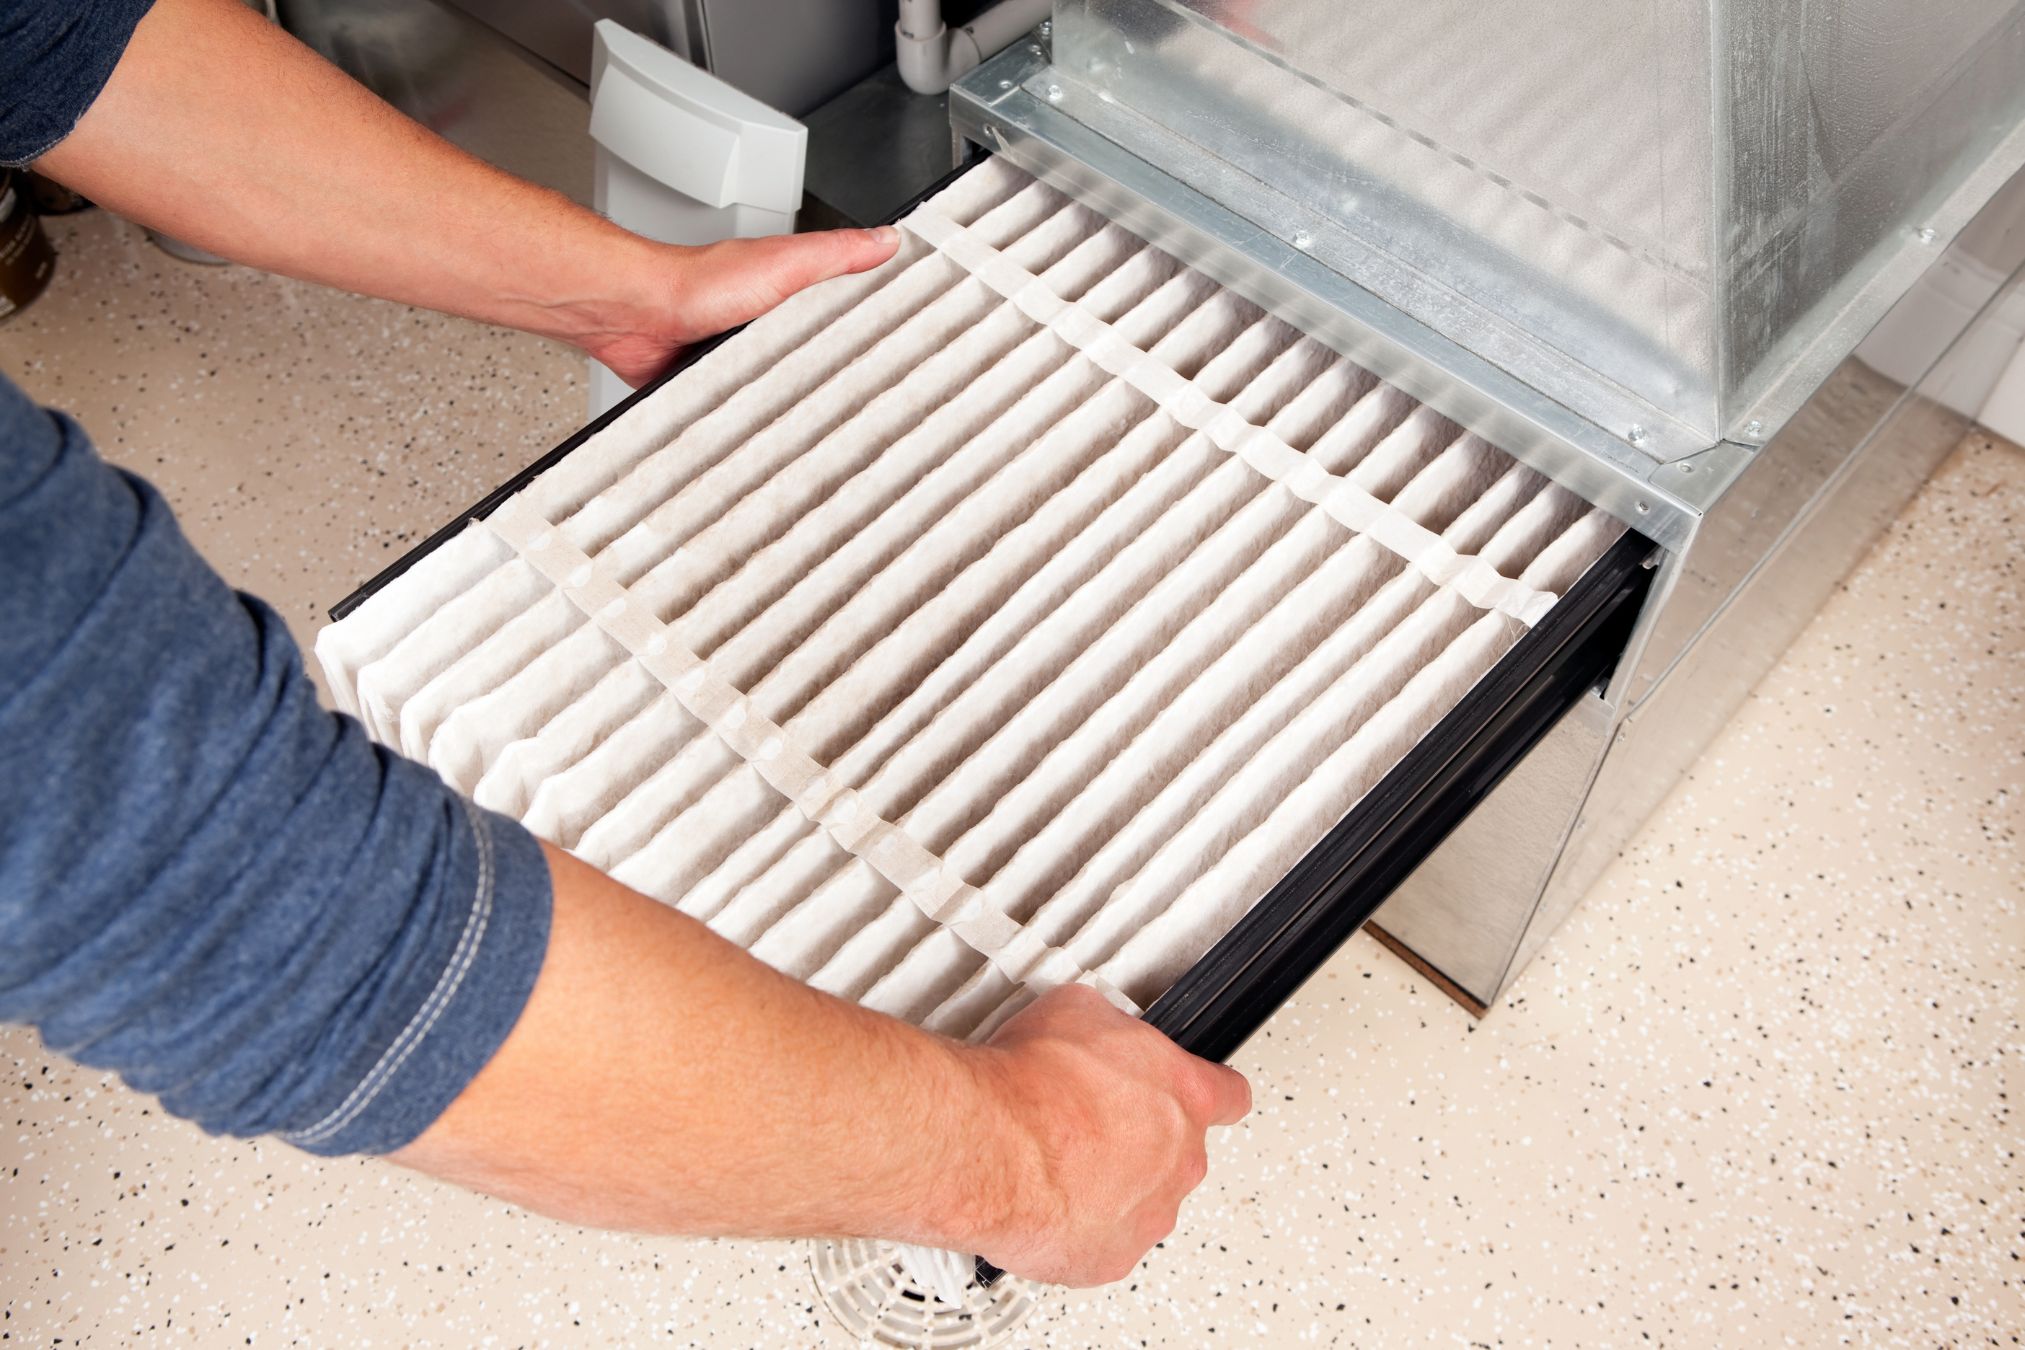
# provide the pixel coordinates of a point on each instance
(419, 1026)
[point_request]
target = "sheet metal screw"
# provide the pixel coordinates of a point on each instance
(1054, 93)
(1047, 28)
(1005, 84)
(1303, 240)
(1754, 428)
(1637, 434)
(1644, 507)
(1925, 234)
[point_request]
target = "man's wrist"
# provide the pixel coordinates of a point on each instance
(1002, 1189)
(616, 289)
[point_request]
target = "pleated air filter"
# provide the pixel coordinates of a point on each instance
(1017, 613)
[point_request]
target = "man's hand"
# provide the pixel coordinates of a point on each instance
(222, 130)
(1113, 1116)
(682, 295)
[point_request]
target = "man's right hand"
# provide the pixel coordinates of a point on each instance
(1108, 1123)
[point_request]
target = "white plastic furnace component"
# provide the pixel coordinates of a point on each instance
(1018, 612)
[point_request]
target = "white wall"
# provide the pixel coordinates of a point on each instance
(2005, 411)
(1940, 303)
(1990, 238)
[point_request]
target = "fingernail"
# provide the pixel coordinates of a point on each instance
(886, 234)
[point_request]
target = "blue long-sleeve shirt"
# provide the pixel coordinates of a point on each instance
(208, 883)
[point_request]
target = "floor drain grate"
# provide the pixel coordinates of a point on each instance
(869, 1290)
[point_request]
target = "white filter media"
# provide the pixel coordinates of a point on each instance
(1017, 613)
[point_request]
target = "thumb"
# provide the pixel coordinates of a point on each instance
(805, 259)
(1229, 1093)
(733, 281)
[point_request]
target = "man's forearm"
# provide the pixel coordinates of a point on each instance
(220, 129)
(663, 1080)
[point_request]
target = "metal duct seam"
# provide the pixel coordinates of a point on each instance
(1013, 948)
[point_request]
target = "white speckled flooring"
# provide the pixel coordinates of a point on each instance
(1760, 1090)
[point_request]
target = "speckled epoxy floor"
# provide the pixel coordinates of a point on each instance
(1759, 1090)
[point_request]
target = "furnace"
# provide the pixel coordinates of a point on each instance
(1275, 480)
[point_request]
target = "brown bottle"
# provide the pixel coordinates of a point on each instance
(26, 259)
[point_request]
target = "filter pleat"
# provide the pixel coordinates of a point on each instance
(435, 646)
(1184, 927)
(940, 620)
(521, 767)
(432, 584)
(1063, 668)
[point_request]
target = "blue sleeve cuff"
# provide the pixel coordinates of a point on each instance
(486, 960)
